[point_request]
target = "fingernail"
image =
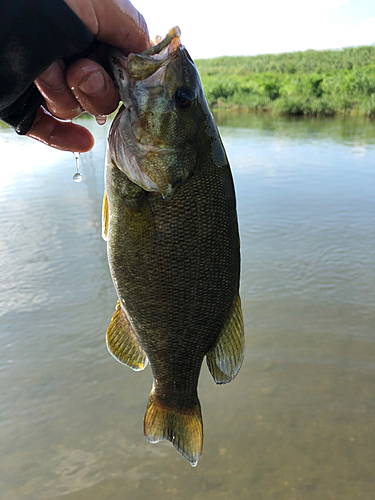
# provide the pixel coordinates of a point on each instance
(93, 84)
(53, 77)
(100, 119)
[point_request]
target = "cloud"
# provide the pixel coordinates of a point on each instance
(244, 28)
(364, 34)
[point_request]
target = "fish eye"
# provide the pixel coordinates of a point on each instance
(184, 97)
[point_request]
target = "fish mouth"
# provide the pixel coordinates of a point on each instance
(171, 42)
(143, 65)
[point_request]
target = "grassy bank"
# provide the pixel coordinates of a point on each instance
(298, 83)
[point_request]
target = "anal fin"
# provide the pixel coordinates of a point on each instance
(122, 342)
(224, 360)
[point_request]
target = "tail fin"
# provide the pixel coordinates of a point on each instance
(183, 428)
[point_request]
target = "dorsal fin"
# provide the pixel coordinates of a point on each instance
(122, 343)
(224, 360)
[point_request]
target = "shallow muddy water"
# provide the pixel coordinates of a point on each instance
(298, 423)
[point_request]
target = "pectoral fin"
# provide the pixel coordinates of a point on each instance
(224, 360)
(122, 342)
(105, 217)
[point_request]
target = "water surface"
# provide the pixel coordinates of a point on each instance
(298, 421)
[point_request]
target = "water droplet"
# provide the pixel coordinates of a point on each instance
(77, 177)
(100, 119)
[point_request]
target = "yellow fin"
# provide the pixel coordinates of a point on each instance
(224, 360)
(122, 342)
(105, 217)
(183, 428)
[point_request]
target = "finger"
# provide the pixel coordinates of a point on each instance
(122, 26)
(59, 99)
(92, 87)
(116, 23)
(60, 135)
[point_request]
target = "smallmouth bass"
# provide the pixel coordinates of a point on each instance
(170, 222)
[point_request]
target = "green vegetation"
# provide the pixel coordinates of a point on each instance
(297, 83)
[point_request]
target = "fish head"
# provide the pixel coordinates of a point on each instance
(153, 138)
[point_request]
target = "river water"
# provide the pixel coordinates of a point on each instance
(298, 423)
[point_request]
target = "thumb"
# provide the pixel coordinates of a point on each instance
(114, 22)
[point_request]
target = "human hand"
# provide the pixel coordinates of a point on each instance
(86, 85)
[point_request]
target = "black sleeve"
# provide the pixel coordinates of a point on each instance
(33, 34)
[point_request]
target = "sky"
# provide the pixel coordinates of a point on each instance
(244, 27)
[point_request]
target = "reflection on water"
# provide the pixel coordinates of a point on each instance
(296, 424)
